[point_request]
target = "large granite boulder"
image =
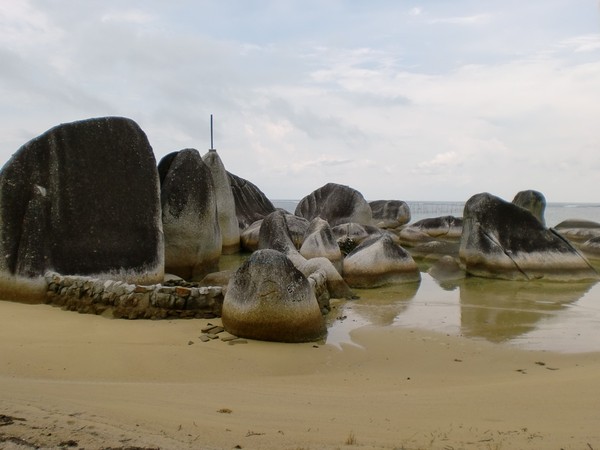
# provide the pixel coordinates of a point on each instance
(336, 204)
(274, 234)
(319, 241)
(226, 213)
(532, 201)
(502, 240)
(80, 199)
(250, 203)
(269, 299)
(189, 214)
(379, 261)
(390, 213)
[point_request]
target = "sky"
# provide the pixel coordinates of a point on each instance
(401, 99)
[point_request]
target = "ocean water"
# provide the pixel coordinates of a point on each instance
(536, 315)
(555, 212)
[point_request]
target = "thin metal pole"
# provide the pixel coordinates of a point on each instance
(211, 133)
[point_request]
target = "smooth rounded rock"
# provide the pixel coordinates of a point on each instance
(269, 299)
(336, 204)
(390, 213)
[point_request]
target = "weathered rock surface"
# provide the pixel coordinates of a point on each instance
(532, 201)
(379, 261)
(433, 228)
(189, 211)
(82, 198)
(250, 203)
(349, 235)
(591, 248)
(390, 213)
(297, 227)
(319, 241)
(274, 234)
(502, 240)
(434, 250)
(226, 212)
(577, 230)
(336, 204)
(269, 299)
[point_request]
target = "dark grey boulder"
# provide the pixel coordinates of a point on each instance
(319, 241)
(189, 213)
(379, 261)
(274, 234)
(502, 240)
(532, 201)
(226, 212)
(80, 199)
(269, 299)
(390, 213)
(336, 204)
(250, 202)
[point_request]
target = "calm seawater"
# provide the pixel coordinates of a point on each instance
(531, 315)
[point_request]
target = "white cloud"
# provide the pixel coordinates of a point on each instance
(130, 16)
(399, 110)
(475, 19)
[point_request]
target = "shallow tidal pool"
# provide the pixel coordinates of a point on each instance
(532, 315)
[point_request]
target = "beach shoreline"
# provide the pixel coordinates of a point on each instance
(93, 382)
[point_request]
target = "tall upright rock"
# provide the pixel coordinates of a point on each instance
(80, 199)
(230, 232)
(189, 213)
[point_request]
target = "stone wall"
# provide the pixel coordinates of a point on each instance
(132, 301)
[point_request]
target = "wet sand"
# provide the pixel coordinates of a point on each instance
(94, 382)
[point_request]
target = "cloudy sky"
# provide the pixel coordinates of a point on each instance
(400, 99)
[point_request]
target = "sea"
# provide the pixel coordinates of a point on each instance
(534, 315)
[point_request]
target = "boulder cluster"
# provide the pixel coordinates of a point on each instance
(87, 200)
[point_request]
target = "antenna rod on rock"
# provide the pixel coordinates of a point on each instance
(212, 149)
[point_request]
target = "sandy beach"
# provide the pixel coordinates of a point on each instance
(83, 381)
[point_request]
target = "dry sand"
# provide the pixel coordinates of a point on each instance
(92, 382)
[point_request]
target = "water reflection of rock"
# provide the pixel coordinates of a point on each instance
(381, 306)
(500, 310)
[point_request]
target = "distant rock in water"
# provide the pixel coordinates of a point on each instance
(228, 223)
(80, 199)
(532, 201)
(502, 240)
(336, 204)
(447, 228)
(577, 230)
(390, 213)
(250, 203)
(269, 299)
(189, 214)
